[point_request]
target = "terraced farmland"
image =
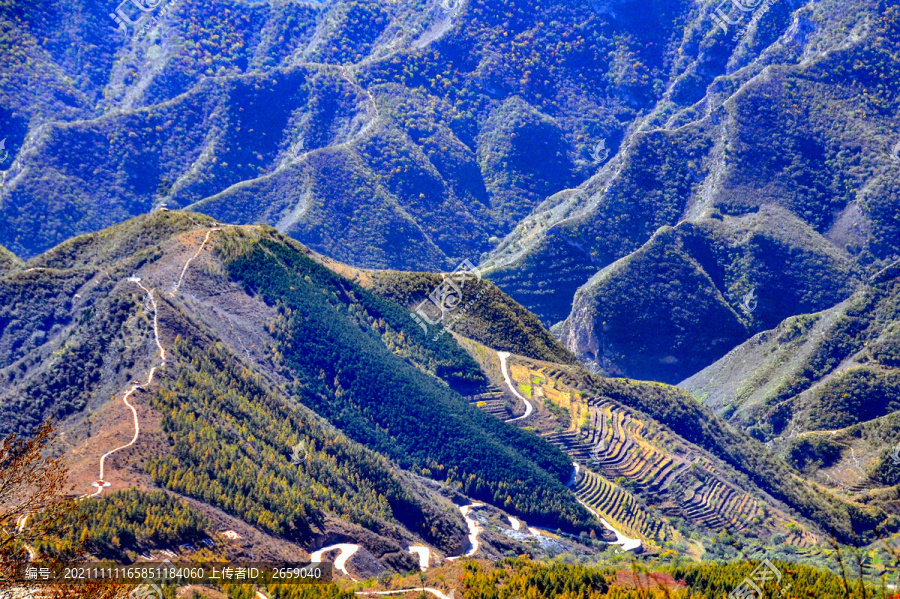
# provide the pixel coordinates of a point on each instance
(718, 505)
(618, 506)
(634, 471)
(622, 447)
(615, 443)
(494, 401)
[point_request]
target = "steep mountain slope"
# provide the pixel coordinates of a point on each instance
(8, 261)
(547, 139)
(484, 313)
(822, 388)
(267, 388)
(693, 292)
(227, 365)
(777, 367)
(667, 471)
(751, 126)
(380, 133)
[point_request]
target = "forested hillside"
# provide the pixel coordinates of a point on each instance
(549, 141)
(823, 389)
(279, 392)
(471, 299)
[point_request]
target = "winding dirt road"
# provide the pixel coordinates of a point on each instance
(473, 530)
(340, 562)
(627, 543)
(424, 553)
(101, 482)
(503, 368)
(191, 259)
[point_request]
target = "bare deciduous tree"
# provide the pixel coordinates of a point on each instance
(33, 505)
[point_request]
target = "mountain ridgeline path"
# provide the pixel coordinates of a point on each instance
(345, 551)
(101, 481)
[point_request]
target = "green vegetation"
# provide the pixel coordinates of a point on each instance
(811, 453)
(867, 320)
(523, 578)
(8, 261)
(38, 308)
(678, 411)
(520, 577)
(130, 520)
(677, 304)
(790, 380)
(344, 372)
(618, 505)
(855, 395)
(243, 462)
(485, 314)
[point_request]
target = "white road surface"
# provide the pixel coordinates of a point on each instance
(340, 562)
(423, 553)
(134, 387)
(191, 259)
(626, 543)
(528, 407)
(473, 530)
